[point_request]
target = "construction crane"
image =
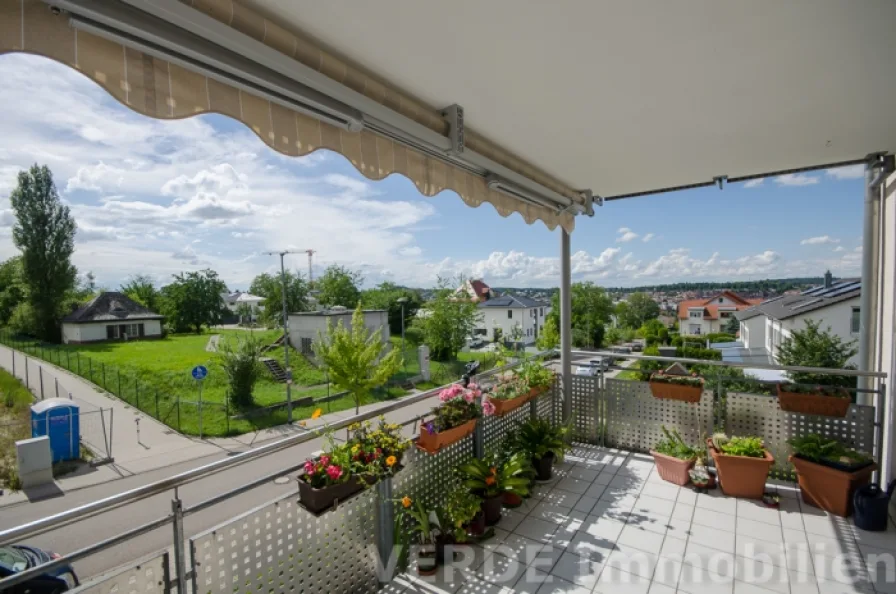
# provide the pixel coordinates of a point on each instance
(310, 274)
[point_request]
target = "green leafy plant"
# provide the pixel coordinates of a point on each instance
(535, 375)
(674, 445)
(381, 447)
(508, 388)
(459, 509)
(815, 448)
(242, 366)
(493, 476)
(749, 447)
(536, 437)
(681, 380)
(424, 521)
(814, 347)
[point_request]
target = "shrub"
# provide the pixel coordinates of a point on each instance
(719, 337)
(413, 335)
(815, 448)
(242, 367)
(813, 347)
(674, 445)
(690, 352)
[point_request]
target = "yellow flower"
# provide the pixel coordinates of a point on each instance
(406, 501)
(391, 460)
(317, 413)
(355, 448)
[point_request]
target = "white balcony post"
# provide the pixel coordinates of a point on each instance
(870, 275)
(565, 324)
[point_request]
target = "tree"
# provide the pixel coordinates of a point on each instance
(352, 357)
(270, 286)
(386, 296)
(141, 289)
(813, 347)
(339, 286)
(448, 323)
(45, 233)
(591, 309)
(12, 291)
(242, 367)
(550, 335)
(732, 326)
(639, 308)
(653, 332)
(194, 299)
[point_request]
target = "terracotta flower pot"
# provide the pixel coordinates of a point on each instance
(491, 509)
(829, 488)
(512, 500)
(544, 467)
(672, 469)
(680, 392)
(741, 476)
(433, 442)
(502, 407)
(320, 500)
(536, 392)
(814, 404)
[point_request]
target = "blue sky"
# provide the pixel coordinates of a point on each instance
(158, 197)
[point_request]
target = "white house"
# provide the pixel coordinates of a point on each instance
(111, 316)
(305, 327)
(233, 302)
(499, 316)
(697, 317)
(834, 305)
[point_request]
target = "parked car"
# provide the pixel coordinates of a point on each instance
(602, 363)
(475, 342)
(587, 370)
(16, 558)
(622, 349)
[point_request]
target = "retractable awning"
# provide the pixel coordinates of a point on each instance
(521, 104)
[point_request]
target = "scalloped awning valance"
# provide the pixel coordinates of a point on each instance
(164, 89)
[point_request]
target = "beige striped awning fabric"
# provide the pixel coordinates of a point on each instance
(159, 89)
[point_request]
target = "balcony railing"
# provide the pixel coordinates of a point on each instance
(281, 547)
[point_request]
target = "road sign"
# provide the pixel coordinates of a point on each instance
(199, 372)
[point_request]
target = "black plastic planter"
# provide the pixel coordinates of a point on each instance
(544, 467)
(320, 500)
(491, 509)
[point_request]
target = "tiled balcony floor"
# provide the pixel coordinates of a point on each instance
(607, 523)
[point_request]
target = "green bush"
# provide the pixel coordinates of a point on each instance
(413, 335)
(674, 445)
(242, 367)
(750, 447)
(719, 337)
(690, 352)
(816, 448)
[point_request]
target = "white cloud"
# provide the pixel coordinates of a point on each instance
(820, 240)
(839, 248)
(754, 183)
(796, 179)
(648, 237)
(851, 172)
(625, 235)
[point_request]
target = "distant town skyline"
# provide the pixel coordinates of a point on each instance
(159, 197)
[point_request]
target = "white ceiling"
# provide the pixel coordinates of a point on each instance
(623, 96)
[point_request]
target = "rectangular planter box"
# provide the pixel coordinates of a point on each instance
(741, 476)
(813, 404)
(502, 407)
(829, 488)
(674, 470)
(317, 501)
(667, 391)
(433, 442)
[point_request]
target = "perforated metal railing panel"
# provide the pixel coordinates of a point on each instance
(634, 418)
(146, 576)
(753, 414)
(281, 547)
(585, 407)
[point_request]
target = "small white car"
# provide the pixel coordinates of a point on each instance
(589, 370)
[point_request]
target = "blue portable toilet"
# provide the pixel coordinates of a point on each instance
(58, 419)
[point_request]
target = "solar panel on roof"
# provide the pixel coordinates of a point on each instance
(812, 291)
(806, 303)
(843, 291)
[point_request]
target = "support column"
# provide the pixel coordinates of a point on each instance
(870, 274)
(565, 325)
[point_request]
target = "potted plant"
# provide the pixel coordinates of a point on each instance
(537, 378)
(491, 478)
(454, 419)
(508, 394)
(425, 528)
(829, 472)
(828, 401)
(329, 480)
(700, 476)
(543, 442)
(685, 388)
(673, 457)
(382, 448)
(743, 464)
(461, 515)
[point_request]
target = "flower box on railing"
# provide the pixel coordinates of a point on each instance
(431, 440)
(681, 388)
(504, 406)
(827, 401)
(321, 499)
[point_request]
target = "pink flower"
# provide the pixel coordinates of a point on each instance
(473, 386)
(325, 460)
(488, 409)
(309, 467)
(469, 396)
(334, 472)
(445, 395)
(477, 393)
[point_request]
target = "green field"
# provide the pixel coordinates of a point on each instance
(631, 372)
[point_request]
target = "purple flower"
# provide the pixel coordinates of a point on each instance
(430, 427)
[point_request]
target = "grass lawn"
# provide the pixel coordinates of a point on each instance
(631, 373)
(15, 424)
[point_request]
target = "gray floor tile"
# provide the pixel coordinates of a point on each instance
(615, 581)
(715, 519)
(578, 570)
(640, 539)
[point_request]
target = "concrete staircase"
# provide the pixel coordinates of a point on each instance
(275, 369)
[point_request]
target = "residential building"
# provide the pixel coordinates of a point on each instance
(110, 316)
(476, 289)
(697, 317)
(306, 327)
(500, 316)
(834, 305)
(234, 300)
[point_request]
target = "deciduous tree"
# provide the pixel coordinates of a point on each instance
(270, 286)
(45, 233)
(448, 321)
(142, 289)
(814, 347)
(550, 335)
(339, 286)
(386, 296)
(194, 300)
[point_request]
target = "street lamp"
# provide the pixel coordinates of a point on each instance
(285, 334)
(402, 300)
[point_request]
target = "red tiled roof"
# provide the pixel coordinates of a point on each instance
(710, 309)
(480, 287)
